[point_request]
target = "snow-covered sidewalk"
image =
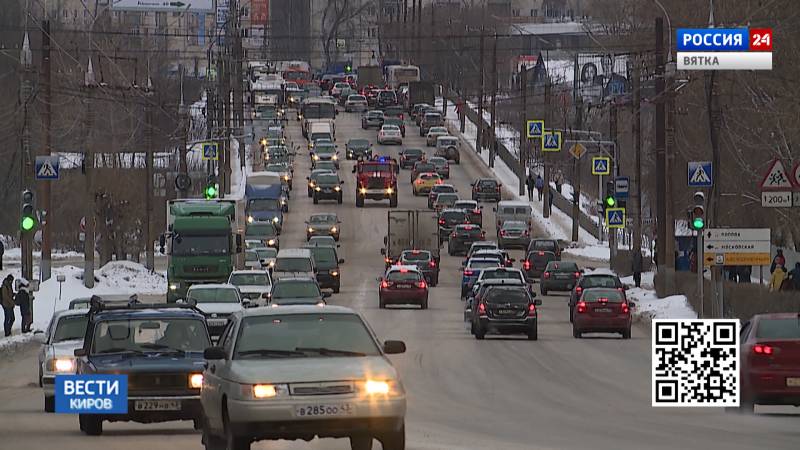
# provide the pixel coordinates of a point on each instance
(649, 306)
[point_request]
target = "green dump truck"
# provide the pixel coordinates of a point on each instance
(202, 243)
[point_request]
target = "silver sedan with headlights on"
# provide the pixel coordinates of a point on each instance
(300, 372)
(57, 355)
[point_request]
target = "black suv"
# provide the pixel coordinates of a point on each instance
(462, 237)
(448, 219)
(425, 261)
(486, 189)
(597, 279)
(358, 148)
(535, 262)
(409, 156)
(505, 310)
(386, 99)
(326, 262)
(159, 347)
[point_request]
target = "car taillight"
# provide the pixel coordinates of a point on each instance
(577, 274)
(502, 232)
(401, 117)
(762, 349)
(498, 188)
(526, 265)
(439, 181)
(531, 310)
(578, 290)
(624, 307)
(525, 233)
(581, 307)
(432, 263)
(481, 308)
(384, 284)
(476, 211)
(387, 260)
(468, 273)
(453, 234)
(547, 274)
(421, 285)
(441, 221)
(541, 253)
(483, 234)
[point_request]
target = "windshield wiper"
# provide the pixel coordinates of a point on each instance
(270, 352)
(120, 350)
(329, 351)
(164, 348)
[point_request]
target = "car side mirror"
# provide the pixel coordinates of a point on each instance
(214, 353)
(326, 294)
(40, 337)
(394, 347)
(341, 260)
(383, 251)
(79, 352)
(537, 302)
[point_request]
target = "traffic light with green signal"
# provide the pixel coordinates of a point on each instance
(348, 68)
(27, 220)
(610, 197)
(211, 189)
(698, 212)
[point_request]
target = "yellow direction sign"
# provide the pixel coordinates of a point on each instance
(737, 259)
(577, 150)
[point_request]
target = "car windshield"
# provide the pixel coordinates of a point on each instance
(778, 328)
(447, 198)
(251, 255)
(465, 204)
(507, 295)
(324, 241)
(265, 253)
(438, 162)
(358, 143)
(416, 256)
(454, 217)
(483, 263)
(318, 136)
(293, 265)
(424, 167)
(190, 245)
(487, 183)
(147, 335)
(515, 225)
(412, 152)
(328, 179)
(356, 98)
(403, 275)
(501, 275)
(275, 168)
(391, 128)
(329, 166)
(611, 296)
(443, 188)
(429, 176)
(324, 257)
(249, 279)
(375, 114)
(304, 335)
(295, 289)
(479, 247)
(325, 149)
(544, 245)
(435, 130)
(213, 295)
(468, 229)
(560, 266)
(322, 218)
(448, 141)
(375, 167)
(261, 229)
(264, 204)
(70, 328)
(593, 281)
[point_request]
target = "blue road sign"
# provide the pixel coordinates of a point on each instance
(622, 187)
(47, 167)
(700, 174)
(615, 217)
(92, 394)
(535, 128)
(210, 151)
(551, 142)
(601, 165)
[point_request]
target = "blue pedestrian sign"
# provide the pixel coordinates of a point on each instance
(551, 142)
(700, 174)
(210, 151)
(601, 165)
(91, 394)
(622, 187)
(47, 167)
(535, 128)
(615, 217)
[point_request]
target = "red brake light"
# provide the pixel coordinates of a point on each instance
(415, 252)
(620, 289)
(525, 233)
(432, 263)
(602, 300)
(476, 211)
(481, 308)
(384, 284)
(403, 270)
(547, 274)
(387, 260)
(421, 285)
(468, 227)
(441, 221)
(762, 349)
(483, 234)
(468, 273)
(578, 290)
(531, 310)
(581, 306)
(439, 181)
(526, 265)
(502, 232)
(625, 308)
(453, 234)
(577, 274)
(541, 253)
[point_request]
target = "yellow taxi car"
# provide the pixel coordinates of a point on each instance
(425, 181)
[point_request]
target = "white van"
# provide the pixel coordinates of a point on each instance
(513, 210)
(321, 130)
(294, 262)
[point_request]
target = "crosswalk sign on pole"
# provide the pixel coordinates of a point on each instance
(700, 174)
(47, 167)
(551, 141)
(210, 151)
(615, 217)
(535, 128)
(601, 165)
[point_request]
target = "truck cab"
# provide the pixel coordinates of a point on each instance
(376, 179)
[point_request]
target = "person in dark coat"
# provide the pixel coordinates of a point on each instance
(2, 252)
(7, 301)
(23, 300)
(794, 275)
(530, 182)
(539, 185)
(636, 268)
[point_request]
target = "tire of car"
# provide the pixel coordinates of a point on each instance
(381, 303)
(571, 314)
(575, 333)
(209, 441)
(233, 442)
(359, 201)
(395, 440)
(339, 199)
(480, 333)
(450, 250)
(336, 289)
(361, 442)
(626, 333)
(424, 304)
(393, 201)
(90, 424)
(746, 406)
(543, 290)
(316, 199)
(533, 333)
(435, 281)
(310, 193)
(49, 403)
(41, 375)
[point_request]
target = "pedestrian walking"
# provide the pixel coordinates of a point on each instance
(2, 252)
(778, 260)
(23, 299)
(745, 274)
(776, 280)
(559, 182)
(794, 275)
(539, 184)
(550, 196)
(636, 267)
(530, 182)
(7, 301)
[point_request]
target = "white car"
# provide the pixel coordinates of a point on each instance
(390, 134)
(299, 372)
(56, 357)
(267, 255)
(254, 285)
(433, 133)
(337, 88)
(217, 302)
(355, 103)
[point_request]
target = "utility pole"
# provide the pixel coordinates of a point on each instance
(44, 185)
(148, 142)
(479, 135)
(493, 141)
(26, 169)
(612, 131)
(418, 33)
(547, 116)
(238, 103)
(184, 130)
(637, 150)
(660, 138)
(576, 193)
(88, 162)
(523, 125)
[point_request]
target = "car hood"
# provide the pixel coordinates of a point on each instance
(254, 289)
(219, 308)
(153, 362)
(305, 370)
(321, 224)
(64, 348)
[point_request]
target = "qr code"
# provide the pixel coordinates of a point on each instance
(696, 362)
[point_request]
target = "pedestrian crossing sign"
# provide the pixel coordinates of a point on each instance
(47, 167)
(615, 217)
(535, 128)
(601, 165)
(700, 174)
(551, 142)
(210, 151)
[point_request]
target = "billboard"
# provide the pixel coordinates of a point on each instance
(195, 6)
(259, 14)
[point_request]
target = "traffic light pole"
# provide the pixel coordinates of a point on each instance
(698, 256)
(26, 171)
(45, 186)
(88, 162)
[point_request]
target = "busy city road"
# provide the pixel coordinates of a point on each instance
(501, 393)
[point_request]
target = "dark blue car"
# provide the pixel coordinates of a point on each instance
(160, 349)
(473, 270)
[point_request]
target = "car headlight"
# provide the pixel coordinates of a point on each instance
(317, 188)
(310, 230)
(250, 219)
(196, 380)
(337, 189)
(389, 190)
(286, 177)
(275, 219)
(381, 387)
(263, 142)
(316, 157)
(334, 230)
(265, 391)
(362, 190)
(173, 287)
(311, 184)
(271, 242)
(272, 264)
(334, 273)
(335, 157)
(62, 365)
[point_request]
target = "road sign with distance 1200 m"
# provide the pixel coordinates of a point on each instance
(535, 128)
(776, 187)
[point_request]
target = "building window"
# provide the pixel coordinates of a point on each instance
(534, 13)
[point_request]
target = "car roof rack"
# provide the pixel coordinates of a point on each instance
(96, 305)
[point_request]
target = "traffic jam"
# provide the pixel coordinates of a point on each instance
(251, 341)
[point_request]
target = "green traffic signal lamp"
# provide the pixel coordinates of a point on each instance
(27, 223)
(610, 201)
(210, 191)
(348, 68)
(698, 223)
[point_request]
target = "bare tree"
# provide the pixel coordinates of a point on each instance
(335, 16)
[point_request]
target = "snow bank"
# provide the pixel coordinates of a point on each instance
(593, 252)
(649, 306)
(15, 254)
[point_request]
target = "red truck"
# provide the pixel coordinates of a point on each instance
(376, 179)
